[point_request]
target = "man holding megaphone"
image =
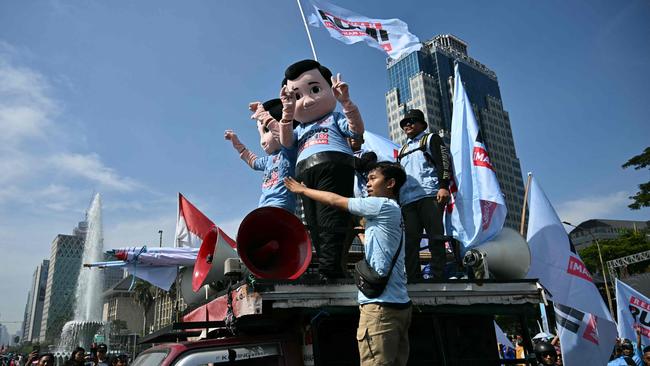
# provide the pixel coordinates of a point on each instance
(385, 342)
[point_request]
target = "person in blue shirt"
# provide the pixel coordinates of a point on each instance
(382, 342)
(630, 352)
(325, 162)
(423, 197)
(278, 164)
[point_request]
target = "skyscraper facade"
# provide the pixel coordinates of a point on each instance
(424, 80)
(35, 301)
(65, 263)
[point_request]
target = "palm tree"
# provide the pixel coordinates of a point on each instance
(143, 297)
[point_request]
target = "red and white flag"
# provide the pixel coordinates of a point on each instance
(389, 35)
(479, 209)
(192, 226)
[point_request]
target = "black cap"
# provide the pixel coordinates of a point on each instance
(413, 115)
(102, 347)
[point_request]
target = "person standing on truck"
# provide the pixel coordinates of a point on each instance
(423, 197)
(382, 342)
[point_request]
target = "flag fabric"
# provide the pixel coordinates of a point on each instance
(586, 329)
(554, 261)
(390, 35)
(585, 339)
(479, 208)
(192, 226)
(632, 311)
(183, 256)
(385, 149)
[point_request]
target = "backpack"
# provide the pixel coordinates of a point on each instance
(425, 147)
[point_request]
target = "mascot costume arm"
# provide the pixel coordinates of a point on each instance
(246, 155)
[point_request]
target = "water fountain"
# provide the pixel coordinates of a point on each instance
(88, 296)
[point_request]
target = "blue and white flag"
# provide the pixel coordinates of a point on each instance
(586, 329)
(555, 262)
(585, 339)
(385, 149)
(633, 310)
(389, 35)
(479, 209)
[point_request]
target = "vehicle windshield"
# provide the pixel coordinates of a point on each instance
(150, 358)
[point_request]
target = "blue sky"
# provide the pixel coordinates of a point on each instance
(131, 99)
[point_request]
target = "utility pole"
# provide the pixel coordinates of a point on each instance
(160, 242)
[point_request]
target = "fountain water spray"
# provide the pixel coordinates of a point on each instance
(88, 297)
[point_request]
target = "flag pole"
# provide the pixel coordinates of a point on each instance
(523, 207)
(304, 21)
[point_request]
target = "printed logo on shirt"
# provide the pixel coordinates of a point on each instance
(271, 178)
(317, 136)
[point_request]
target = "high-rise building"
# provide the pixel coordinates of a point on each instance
(424, 80)
(65, 263)
(35, 301)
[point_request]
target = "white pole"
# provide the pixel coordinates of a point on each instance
(311, 43)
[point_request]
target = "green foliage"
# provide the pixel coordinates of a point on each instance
(642, 197)
(627, 244)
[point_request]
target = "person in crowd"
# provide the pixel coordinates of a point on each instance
(279, 162)
(46, 359)
(382, 342)
(101, 357)
(423, 197)
(630, 353)
(545, 353)
(122, 360)
(646, 356)
(325, 162)
(77, 358)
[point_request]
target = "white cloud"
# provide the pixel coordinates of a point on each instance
(91, 168)
(599, 207)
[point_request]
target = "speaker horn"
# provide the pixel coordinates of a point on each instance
(274, 244)
(505, 257)
(215, 248)
(186, 274)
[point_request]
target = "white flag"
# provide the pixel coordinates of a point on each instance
(479, 209)
(585, 339)
(554, 261)
(633, 310)
(389, 35)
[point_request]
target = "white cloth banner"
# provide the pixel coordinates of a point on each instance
(555, 263)
(385, 149)
(157, 256)
(479, 209)
(633, 310)
(389, 35)
(585, 339)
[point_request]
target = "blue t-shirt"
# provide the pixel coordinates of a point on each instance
(636, 357)
(276, 167)
(421, 176)
(326, 134)
(383, 235)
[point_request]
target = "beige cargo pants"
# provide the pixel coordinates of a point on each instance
(383, 335)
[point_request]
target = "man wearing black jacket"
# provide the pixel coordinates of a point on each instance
(423, 197)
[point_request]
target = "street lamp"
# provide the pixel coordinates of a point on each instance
(160, 242)
(602, 265)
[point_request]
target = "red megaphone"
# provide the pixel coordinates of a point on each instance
(273, 244)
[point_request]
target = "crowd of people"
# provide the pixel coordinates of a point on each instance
(547, 351)
(98, 356)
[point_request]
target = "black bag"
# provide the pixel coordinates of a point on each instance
(368, 281)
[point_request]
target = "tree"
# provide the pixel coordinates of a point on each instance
(642, 197)
(143, 297)
(630, 242)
